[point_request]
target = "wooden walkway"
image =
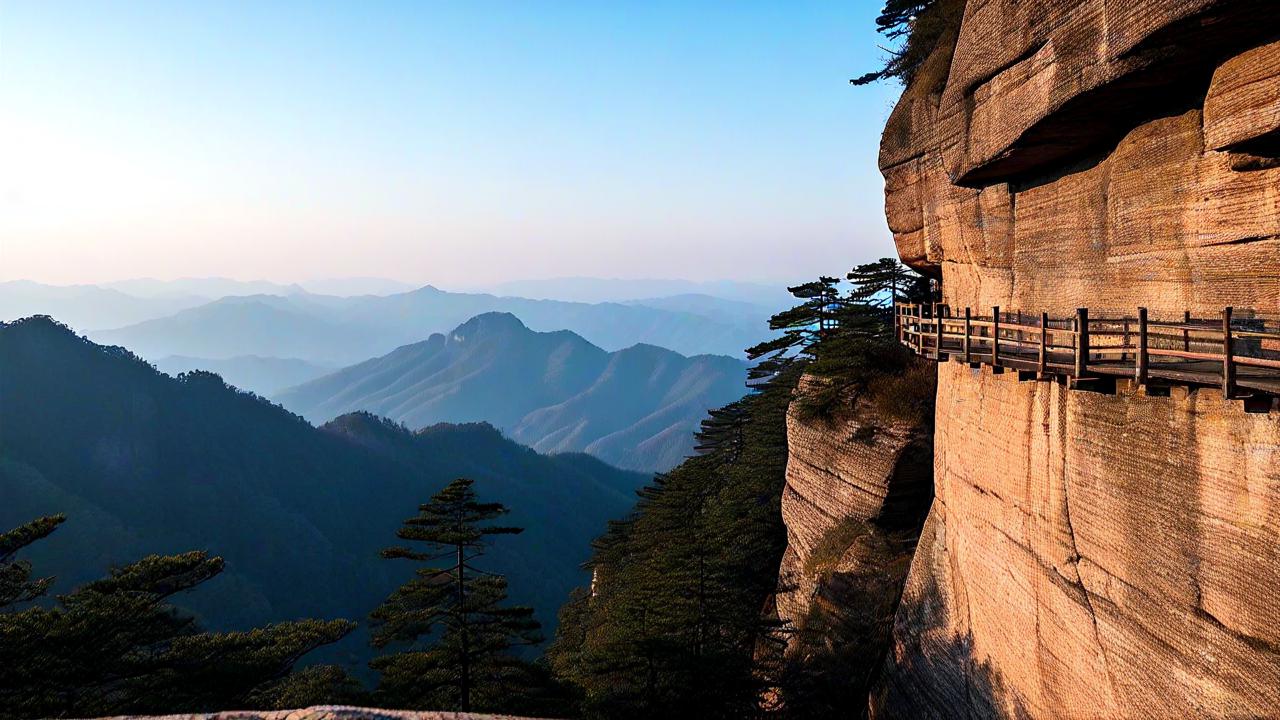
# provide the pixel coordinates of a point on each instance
(1238, 353)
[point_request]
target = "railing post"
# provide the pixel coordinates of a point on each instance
(1044, 343)
(1082, 342)
(1228, 360)
(968, 317)
(995, 336)
(1124, 347)
(938, 313)
(1186, 333)
(918, 338)
(1141, 360)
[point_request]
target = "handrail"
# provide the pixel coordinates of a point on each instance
(1241, 354)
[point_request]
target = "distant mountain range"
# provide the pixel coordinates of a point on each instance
(87, 307)
(265, 376)
(771, 297)
(143, 463)
(636, 408)
(327, 329)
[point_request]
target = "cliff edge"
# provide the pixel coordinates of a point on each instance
(1089, 554)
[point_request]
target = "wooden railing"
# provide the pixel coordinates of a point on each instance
(1238, 352)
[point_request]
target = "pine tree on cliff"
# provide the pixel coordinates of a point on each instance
(116, 646)
(801, 327)
(922, 25)
(887, 281)
(454, 620)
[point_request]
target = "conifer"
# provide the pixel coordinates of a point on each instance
(116, 646)
(453, 620)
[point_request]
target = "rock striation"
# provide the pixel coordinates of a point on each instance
(855, 497)
(1086, 554)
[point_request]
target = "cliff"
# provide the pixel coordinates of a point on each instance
(1087, 554)
(858, 486)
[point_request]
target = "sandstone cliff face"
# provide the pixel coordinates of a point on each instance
(1093, 555)
(853, 504)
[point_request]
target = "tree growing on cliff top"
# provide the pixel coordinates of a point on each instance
(116, 646)
(457, 630)
(887, 281)
(921, 25)
(846, 339)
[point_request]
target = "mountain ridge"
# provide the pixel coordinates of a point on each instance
(636, 408)
(142, 463)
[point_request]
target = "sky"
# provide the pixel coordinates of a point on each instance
(456, 143)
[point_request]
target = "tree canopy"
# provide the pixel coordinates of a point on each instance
(117, 646)
(920, 26)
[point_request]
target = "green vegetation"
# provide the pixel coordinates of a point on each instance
(675, 613)
(922, 26)
(677, 620)
(117, 646)
(147, 464)
(845, 340)
(456, 629)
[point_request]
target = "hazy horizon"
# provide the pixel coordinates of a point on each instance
(459, 146)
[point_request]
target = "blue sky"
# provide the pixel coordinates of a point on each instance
(456, 143)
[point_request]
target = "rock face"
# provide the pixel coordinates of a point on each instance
(853, 504)
(1093, 555)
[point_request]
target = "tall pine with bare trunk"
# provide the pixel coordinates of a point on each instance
(452, 622)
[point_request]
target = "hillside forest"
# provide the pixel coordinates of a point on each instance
(177, 545)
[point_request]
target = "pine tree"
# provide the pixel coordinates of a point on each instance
(116, 646)
(801, 326)
(16, 584)
(454, 621)
(887, 281)
(921, 25)
(673, 619)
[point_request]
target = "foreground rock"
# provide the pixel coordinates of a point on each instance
(1093, 555)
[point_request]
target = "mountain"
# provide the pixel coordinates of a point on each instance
(732, 312)
(350, 286)
(142, 462)
(595, 290)
(328, 329)
(553, 391)
(262, 375)
(262, 325)
(87, 306)
(209, 287)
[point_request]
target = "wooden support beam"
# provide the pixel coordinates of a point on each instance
(938, 311)
(995, 336)
(968, 317)
(1228, 360)
(1043, 368)
(1141, 360)
(1082, 342)
(1186, 333)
